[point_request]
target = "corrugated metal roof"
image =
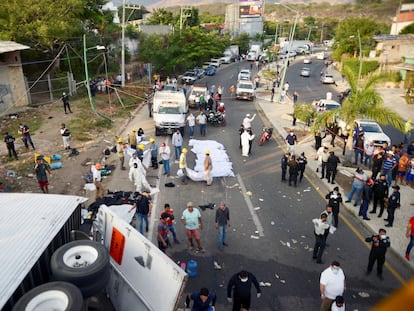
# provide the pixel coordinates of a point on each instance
(10, 46)
(28, 223)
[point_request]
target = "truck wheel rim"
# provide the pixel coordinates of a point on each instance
(49, 300)
(80, 256)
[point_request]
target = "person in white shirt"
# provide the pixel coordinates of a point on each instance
(191, 124)
(177, 141)
(369, 152)
(247, 121)
(338, 304)
(165, 154)
(331, 284)
(320, 225)
(97, 179)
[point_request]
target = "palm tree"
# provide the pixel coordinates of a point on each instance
(364, 102)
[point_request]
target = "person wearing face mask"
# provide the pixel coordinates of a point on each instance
(241, 283)
(379, 245)
(380, 194)
(331, 284)
(291, 141)
(334, 200)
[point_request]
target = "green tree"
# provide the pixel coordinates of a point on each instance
(407, 30)
(161, 17)
(364, 102)
(346, 36)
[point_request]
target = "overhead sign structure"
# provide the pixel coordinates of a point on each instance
(250, 8)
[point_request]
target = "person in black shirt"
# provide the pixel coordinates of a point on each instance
(293, 171)
(331, 166)
(142, 208)
(241, 283)
(393, 203)
(302, 165)
(9, 142)
(284, 165)
(380, 194)
(377, 161)
(334, 200)
(380, 243)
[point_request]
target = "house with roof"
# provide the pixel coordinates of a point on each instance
(403, 18)
(12, 83)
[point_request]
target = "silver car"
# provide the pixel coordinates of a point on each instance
(327, 79)
(305, 72)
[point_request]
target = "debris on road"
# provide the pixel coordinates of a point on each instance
(254, 237)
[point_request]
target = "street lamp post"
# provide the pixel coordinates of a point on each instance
(123, 45)
(292, 33)
(360, 56)
(85, 60)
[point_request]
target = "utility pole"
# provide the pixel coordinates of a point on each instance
(184, 13)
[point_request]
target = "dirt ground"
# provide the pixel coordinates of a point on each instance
(17, 175)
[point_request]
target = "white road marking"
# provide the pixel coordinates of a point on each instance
(255, 218)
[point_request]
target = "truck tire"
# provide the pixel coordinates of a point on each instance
(157, 132)
(93, 288)
(80, 262)
(58, 296)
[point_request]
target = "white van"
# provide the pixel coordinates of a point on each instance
(169, 111)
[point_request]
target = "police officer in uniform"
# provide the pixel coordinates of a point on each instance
(380, 194)
(380, 242)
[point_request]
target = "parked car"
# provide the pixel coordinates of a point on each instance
(215, 62)
(305, 72)
(283, 55)
(245, 90)
(326, 104)
(189, 77)
(170, 87)
(372, 131)
(199, 72)
(307, 60)
(210, 71)
(205, 65)
(327, 79)
(244, 74)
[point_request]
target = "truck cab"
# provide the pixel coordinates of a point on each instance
(169, 112)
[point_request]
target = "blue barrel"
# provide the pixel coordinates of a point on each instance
(56, 157)
(55, 165)
(192, 268)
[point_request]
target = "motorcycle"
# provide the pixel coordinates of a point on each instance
(266, 135)
(216, 118)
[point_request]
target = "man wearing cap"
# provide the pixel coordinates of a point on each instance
(393, 203)
(193, 223)
(24, 131)
(165, 154)
(241, 284)
(154, 153)
(247, 121)
(388, 165)
(97, 179)
(143, 209)
(182, 165)
(177, 142)
(379, 245)
(120, 151)
(132, 139)
(331, 285)
(359, 180)
(65, 101)
(221, 223)
(202, 300)
(380, 194)
(208, 167)
(64, 131)
(162, 236)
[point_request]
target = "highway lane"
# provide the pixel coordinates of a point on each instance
(284, 213)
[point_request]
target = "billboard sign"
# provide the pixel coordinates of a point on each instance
(250, 9)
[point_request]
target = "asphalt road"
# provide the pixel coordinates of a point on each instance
(267, 222)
